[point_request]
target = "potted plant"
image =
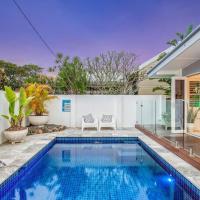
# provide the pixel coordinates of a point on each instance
(16, 133)
(191, 117)
(167, 120)
(40, 93)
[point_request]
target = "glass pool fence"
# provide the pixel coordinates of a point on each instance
(176, 122)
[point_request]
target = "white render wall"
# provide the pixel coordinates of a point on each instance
(3, 110)
(123, 107)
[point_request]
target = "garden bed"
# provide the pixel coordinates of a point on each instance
(47, 128)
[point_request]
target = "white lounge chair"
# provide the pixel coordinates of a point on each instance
(107, 121)
(88, 121)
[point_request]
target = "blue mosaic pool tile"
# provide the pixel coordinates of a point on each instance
(103, 140)
(179, 178)
(193, 191)
(14, 178)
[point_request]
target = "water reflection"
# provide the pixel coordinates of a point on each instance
(103, 171)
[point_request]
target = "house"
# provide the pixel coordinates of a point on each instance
(182, 63)
(145, 87)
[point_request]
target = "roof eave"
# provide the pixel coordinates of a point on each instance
(160, 65)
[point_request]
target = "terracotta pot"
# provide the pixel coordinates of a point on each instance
(38, 120)
(16, 136)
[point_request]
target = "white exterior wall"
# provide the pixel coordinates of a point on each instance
(3, 110)
(122, 107)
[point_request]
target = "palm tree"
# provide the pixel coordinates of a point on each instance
(180, 36)
(166, 89)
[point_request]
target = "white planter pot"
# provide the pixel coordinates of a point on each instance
(190, 127)
(38, 120)
(16, 136)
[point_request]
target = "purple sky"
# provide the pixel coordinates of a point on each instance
(88, 27)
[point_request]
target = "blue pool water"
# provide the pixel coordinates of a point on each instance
(97, 172)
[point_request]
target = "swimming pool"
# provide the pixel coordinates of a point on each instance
(100, 169)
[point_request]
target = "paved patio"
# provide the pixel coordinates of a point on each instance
(12, 157)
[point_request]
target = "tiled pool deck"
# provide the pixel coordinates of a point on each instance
(12, 157)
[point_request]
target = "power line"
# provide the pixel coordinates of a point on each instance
(34, 28)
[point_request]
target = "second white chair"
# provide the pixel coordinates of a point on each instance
(107, 121)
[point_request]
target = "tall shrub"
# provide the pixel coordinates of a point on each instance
(72, 77)
(40, 94)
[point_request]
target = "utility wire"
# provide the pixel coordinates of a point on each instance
(34, 28)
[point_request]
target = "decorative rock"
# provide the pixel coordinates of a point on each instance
(39, 131)
(47, 128)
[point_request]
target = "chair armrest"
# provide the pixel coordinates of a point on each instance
(113, 120)
(95, 120)
(82, 120)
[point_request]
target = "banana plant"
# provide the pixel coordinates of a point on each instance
(15, 118)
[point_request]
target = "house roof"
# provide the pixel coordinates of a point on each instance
(154, 60)
(181, 56)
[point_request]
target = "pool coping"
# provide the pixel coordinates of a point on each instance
(179, 151)
(184, 168)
